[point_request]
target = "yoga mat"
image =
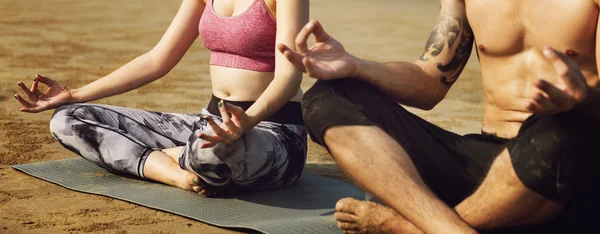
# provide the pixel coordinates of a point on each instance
(306, 207)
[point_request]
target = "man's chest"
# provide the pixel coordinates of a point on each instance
(505, 27)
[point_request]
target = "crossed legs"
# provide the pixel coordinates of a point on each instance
(433, 180)
(149, 145)
(378, 164)
(127, 141)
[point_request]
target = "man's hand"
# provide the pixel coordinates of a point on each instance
(568, 92)
(326, 60)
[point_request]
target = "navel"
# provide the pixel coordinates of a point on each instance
(571, 53)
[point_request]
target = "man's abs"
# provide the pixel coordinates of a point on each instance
(510, 36)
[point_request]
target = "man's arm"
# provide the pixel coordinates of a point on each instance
(425, 82)
(421, 84)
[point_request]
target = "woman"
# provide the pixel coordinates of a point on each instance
(251, 135)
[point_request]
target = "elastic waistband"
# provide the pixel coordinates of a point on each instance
(493, 136)
(290, 113)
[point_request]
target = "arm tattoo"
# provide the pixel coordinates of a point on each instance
(446, 33)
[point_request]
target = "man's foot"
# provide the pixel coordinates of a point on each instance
(354, 216)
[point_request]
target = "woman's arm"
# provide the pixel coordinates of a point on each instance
(291, 16)
(152, 65)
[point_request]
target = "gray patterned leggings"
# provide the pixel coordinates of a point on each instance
(271, 155)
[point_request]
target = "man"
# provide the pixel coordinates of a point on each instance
(533, 165)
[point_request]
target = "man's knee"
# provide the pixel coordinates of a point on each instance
(318, 100)
(311, 102)
(330, 103)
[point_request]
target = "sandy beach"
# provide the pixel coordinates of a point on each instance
(76, 42)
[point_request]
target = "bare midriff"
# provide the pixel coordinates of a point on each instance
(510, 51)
(236, 84)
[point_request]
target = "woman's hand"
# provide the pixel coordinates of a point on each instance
(232, 127)
(56, 95)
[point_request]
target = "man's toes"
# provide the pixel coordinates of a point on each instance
(348, 205)
(345, 226)
(345, 217)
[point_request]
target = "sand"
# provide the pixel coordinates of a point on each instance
(77, 42)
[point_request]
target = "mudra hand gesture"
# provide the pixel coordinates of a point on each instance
(230, 130)
(55, 95)
(325, 60)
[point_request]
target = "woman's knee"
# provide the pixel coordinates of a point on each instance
(60, 120)
(66, 116)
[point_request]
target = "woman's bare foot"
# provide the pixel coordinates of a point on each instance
(354, 216)
(191, 182)
(196, 184)
(162, 168)
(173, 153)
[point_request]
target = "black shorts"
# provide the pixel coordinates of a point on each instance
(554, 156)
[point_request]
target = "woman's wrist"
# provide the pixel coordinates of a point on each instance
(75, 95)
(252, 121)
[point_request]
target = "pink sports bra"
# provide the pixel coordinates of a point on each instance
(245, 41)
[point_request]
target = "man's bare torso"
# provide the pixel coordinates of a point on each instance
(509, 37)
